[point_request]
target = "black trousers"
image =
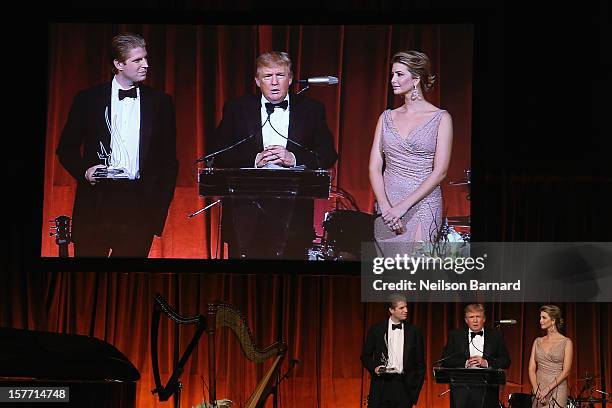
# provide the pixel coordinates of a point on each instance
(393, 393)
(119, 225)
(463, 396)
(268, 228)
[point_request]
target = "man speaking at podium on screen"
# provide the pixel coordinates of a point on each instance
(475, 348)
(270, 130)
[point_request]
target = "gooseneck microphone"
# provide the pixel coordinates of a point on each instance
(435, 363)
(209, 158)
(320, 80)
(315, 155)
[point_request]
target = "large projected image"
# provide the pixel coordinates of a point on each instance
(301, 142)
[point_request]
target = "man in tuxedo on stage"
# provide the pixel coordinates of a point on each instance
(281, 130)
(475, 347)
(124, 127)
(394, 355)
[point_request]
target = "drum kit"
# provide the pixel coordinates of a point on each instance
(457, 228)
(521, 400)
(345, 229)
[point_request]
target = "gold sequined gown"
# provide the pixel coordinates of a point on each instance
(549, 366)
(408, 161)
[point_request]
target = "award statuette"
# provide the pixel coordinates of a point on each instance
(108, 172)
(386, 369)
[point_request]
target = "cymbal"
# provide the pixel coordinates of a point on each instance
(459, 183)
(589, 399)
(460, 220)
(588, 378)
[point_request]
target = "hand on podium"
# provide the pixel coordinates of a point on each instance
(476, 362)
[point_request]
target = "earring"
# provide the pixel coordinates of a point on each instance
(415, 94)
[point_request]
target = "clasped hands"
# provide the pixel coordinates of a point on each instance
(392, 216)
(541, 396)
(477, 361)
(275, 154)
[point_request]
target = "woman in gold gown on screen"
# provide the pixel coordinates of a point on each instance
(414, 144)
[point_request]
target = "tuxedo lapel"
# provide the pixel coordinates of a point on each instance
(488, 343)
(253, 121)
(146, 125)
(465, 343)
(103, 109)
(406, 345)
(296, 119)
(385, 338)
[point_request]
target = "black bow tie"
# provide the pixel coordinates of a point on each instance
(130, 93)
(474, 334)
(396, 326)
(271, 106)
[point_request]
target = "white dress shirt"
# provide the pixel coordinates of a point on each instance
(125, 132)
(279, 119)
(476, 345)
(395, 347)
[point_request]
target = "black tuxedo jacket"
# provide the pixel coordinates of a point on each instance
(307, 126)
(414, 360)
(456, 353)
(80, 142)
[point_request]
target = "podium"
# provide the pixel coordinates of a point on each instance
(463, 379)
(258, 183)
(260, 222)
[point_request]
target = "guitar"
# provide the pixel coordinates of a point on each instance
(62, 234)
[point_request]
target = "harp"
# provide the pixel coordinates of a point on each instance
(173, 385)
(221, 315)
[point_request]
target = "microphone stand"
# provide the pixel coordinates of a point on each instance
(204, 209)
(303, 89)
(209, 158)
(274, 389)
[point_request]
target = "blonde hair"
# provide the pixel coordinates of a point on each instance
(122, 44)
(394, 299)
(272, 58)
(418, 65)
(474, 307)
(555, 314)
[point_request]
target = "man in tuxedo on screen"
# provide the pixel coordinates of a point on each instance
(394, 355)
(475, 347)
(129, 129)
(282, 130)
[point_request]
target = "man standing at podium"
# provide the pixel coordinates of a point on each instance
(475, 348)
(277, 130)
(394, 355)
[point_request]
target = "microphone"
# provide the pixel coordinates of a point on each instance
(505, 321)
(316, 156)
(320, 80)
(212, 155)
(435, 363)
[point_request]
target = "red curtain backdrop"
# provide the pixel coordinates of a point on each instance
(202, 66)
(322, 320)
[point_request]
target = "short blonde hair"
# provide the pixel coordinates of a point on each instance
(394, 299)
(122, 44)
(272, 58)
(474, 307)
(418, 65)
